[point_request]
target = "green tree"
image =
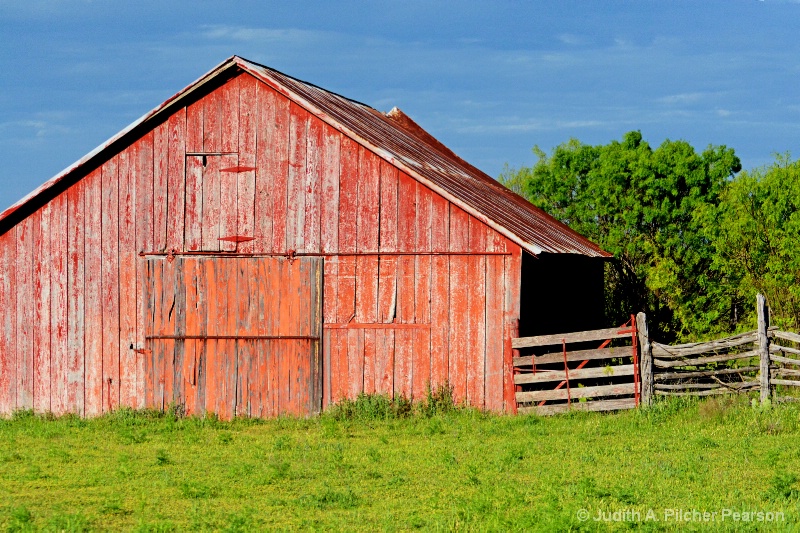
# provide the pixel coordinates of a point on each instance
(643, 206)
(755, 231)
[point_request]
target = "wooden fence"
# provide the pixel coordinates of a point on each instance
(741, 363)
(550, 378)
(705, 368)
(585, 377)
(784, 368)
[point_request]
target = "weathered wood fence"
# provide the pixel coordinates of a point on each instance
(784, 369)
(550, 378)
(583, 377)
(740, 363)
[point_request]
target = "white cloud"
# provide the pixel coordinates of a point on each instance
(684, 98)
(517, 126)
(251, 35)
(560, 59)
(36, 128)
(571, 39)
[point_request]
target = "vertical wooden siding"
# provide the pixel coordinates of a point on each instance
(395, 324)
(8, 323)
(250, 297)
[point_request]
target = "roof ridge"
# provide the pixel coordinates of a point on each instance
(304, 82)
(410, 125)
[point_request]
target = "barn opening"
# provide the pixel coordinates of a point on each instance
(561, 293)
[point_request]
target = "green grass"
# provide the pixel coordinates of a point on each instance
(379, 465)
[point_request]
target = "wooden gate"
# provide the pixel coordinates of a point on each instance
(568, 373)
(233, 335)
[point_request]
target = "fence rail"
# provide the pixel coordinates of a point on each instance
(684, 350)
(569, 338)
(740, 363)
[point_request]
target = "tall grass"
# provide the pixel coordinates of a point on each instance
(381, 407)
(376, 464)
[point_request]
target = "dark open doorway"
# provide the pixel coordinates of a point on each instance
(561, 293)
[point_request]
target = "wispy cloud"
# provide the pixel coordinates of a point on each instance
(34, 128)
(688, 98)
(529, 126)
(256, 35)
(683, 98)
(572, 39)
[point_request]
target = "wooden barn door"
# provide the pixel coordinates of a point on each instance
(234, 335)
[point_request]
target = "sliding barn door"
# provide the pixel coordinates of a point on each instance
(235, 336)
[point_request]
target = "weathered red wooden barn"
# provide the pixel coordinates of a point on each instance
(257, 245)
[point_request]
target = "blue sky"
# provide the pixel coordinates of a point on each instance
(490, 80)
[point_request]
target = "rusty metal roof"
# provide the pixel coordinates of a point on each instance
(393, 136)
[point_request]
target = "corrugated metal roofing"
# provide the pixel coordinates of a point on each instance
(396, 138)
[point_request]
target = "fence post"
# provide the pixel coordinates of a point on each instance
(763, 345)
(646, 359)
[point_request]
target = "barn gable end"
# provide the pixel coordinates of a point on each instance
(120, 281)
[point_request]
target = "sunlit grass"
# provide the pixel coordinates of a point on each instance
(375, 464)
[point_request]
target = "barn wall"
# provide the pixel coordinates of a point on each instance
(393, 323)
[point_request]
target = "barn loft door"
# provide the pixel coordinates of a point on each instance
(211, 203)
(234, 335)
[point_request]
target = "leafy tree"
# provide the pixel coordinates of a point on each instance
(755, 231)
(647, 208)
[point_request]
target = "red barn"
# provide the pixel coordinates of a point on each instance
(257, 245)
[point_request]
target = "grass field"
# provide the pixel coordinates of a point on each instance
(376, 466)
